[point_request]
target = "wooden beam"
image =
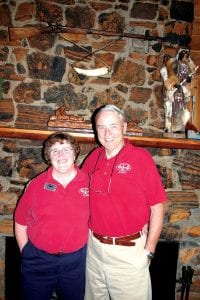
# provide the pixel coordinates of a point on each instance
(195, 42)
(196, 120)
(85, 137)
(197, 8)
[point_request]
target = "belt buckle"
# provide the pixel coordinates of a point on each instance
(60, 253)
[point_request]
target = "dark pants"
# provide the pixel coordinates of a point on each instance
(43, 273)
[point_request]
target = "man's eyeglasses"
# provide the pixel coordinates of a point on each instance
(94, 173)
(99, 190)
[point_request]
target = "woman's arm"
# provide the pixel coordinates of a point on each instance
(21, 235)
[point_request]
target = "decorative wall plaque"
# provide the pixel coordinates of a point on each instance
(63, 120)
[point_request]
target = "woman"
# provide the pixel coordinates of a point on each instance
(51, 225)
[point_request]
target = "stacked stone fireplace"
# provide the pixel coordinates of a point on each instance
(21, 160)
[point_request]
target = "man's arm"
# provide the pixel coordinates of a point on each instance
(155, 226)
(21, 235)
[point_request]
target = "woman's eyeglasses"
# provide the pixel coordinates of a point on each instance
(57, 152)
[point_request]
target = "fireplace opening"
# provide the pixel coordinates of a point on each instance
(163, 270)
(12, 269)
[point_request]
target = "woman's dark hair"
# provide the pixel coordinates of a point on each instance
(60, 137)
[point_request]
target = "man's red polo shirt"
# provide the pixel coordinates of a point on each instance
(122, 189)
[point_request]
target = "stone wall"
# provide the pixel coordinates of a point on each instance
(21, 160)
(37, 74)
(37, 77)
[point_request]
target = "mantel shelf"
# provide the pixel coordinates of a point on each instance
(85, 137)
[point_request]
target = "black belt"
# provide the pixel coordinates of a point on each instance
(123, 240)
(60, 253)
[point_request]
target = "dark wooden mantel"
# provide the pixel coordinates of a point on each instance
(85, 137)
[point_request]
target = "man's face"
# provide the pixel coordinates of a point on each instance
(110, 129)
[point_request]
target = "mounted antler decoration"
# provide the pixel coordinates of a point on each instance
(16, 33)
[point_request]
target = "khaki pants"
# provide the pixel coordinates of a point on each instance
(117, 272)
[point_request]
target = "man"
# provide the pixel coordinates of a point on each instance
(126, 213)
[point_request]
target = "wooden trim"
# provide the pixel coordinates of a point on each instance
(84, 137)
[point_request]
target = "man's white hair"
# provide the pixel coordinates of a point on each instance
(113, 108)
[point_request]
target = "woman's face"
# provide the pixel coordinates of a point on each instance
(62, 157)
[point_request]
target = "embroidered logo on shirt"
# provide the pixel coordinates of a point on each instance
(84, 191)
(50, 187)
(124, 168)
